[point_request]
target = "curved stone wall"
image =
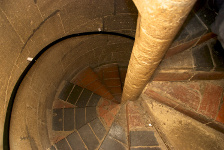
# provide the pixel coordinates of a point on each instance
(28, 26)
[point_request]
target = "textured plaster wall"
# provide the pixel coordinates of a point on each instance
(27, 26)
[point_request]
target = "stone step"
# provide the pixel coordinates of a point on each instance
(88, 79)
(142, 133)
(90, 125)
(110, 76)
(203, 62)
(201, 100)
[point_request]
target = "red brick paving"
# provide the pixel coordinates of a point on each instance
(220, 117)
(111, 78)
(203, 97)
(89, 79)
(172, 76)
(211, 100)
(135, 117)
(179, 92)
(108, 119)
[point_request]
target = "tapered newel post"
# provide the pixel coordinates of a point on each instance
(158, 23)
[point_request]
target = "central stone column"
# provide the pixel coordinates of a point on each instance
(158, 23)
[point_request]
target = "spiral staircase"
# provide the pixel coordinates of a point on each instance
(69, 96)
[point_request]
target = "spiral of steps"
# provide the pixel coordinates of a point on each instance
(88, 114)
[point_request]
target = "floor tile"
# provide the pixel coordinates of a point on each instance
(143, 138)
(66, 91)
(57, 121)
(90, 114)
(94, 100)
(88, 137)
(75, 141)
(69, 119)
(79, 117)
(84, 98)
(73, 97)
(111, 144)
(62, 145)
(98, 128)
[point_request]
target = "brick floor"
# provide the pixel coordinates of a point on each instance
(211, 100)
(220, 117)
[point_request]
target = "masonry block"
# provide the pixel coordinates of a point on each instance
(88, 77)
(125, 6)
(88, 137)
(143, 138)
(220, 117)
(120, 22)
(62, 145)
(24, 16)
(202, 58)
(211, 100)
(75, 141)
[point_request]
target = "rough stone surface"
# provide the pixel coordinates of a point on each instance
(23, 15)
(182, 60)
(194, 26)
(179, 129)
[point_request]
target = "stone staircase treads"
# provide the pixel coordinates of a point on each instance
(202, 58)
(75, 141)
(79, 117)
(88, 79)
(110, 76)
(62, 104)
(141, 131)
(62, 145)
(220, 116)
(90, 114)
(107, 110)
(57, 121)
(98, 128)
(112, 144)
(143, 139)
(66, 91)
(63, 119)
(203, 62)
(84, 98)
(74, 95)
(69, 123)
(94, 100)
(52, 148)
(88, 137)
(217, 52)
(118, 129)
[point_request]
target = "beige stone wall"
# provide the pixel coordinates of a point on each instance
(27, 26)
